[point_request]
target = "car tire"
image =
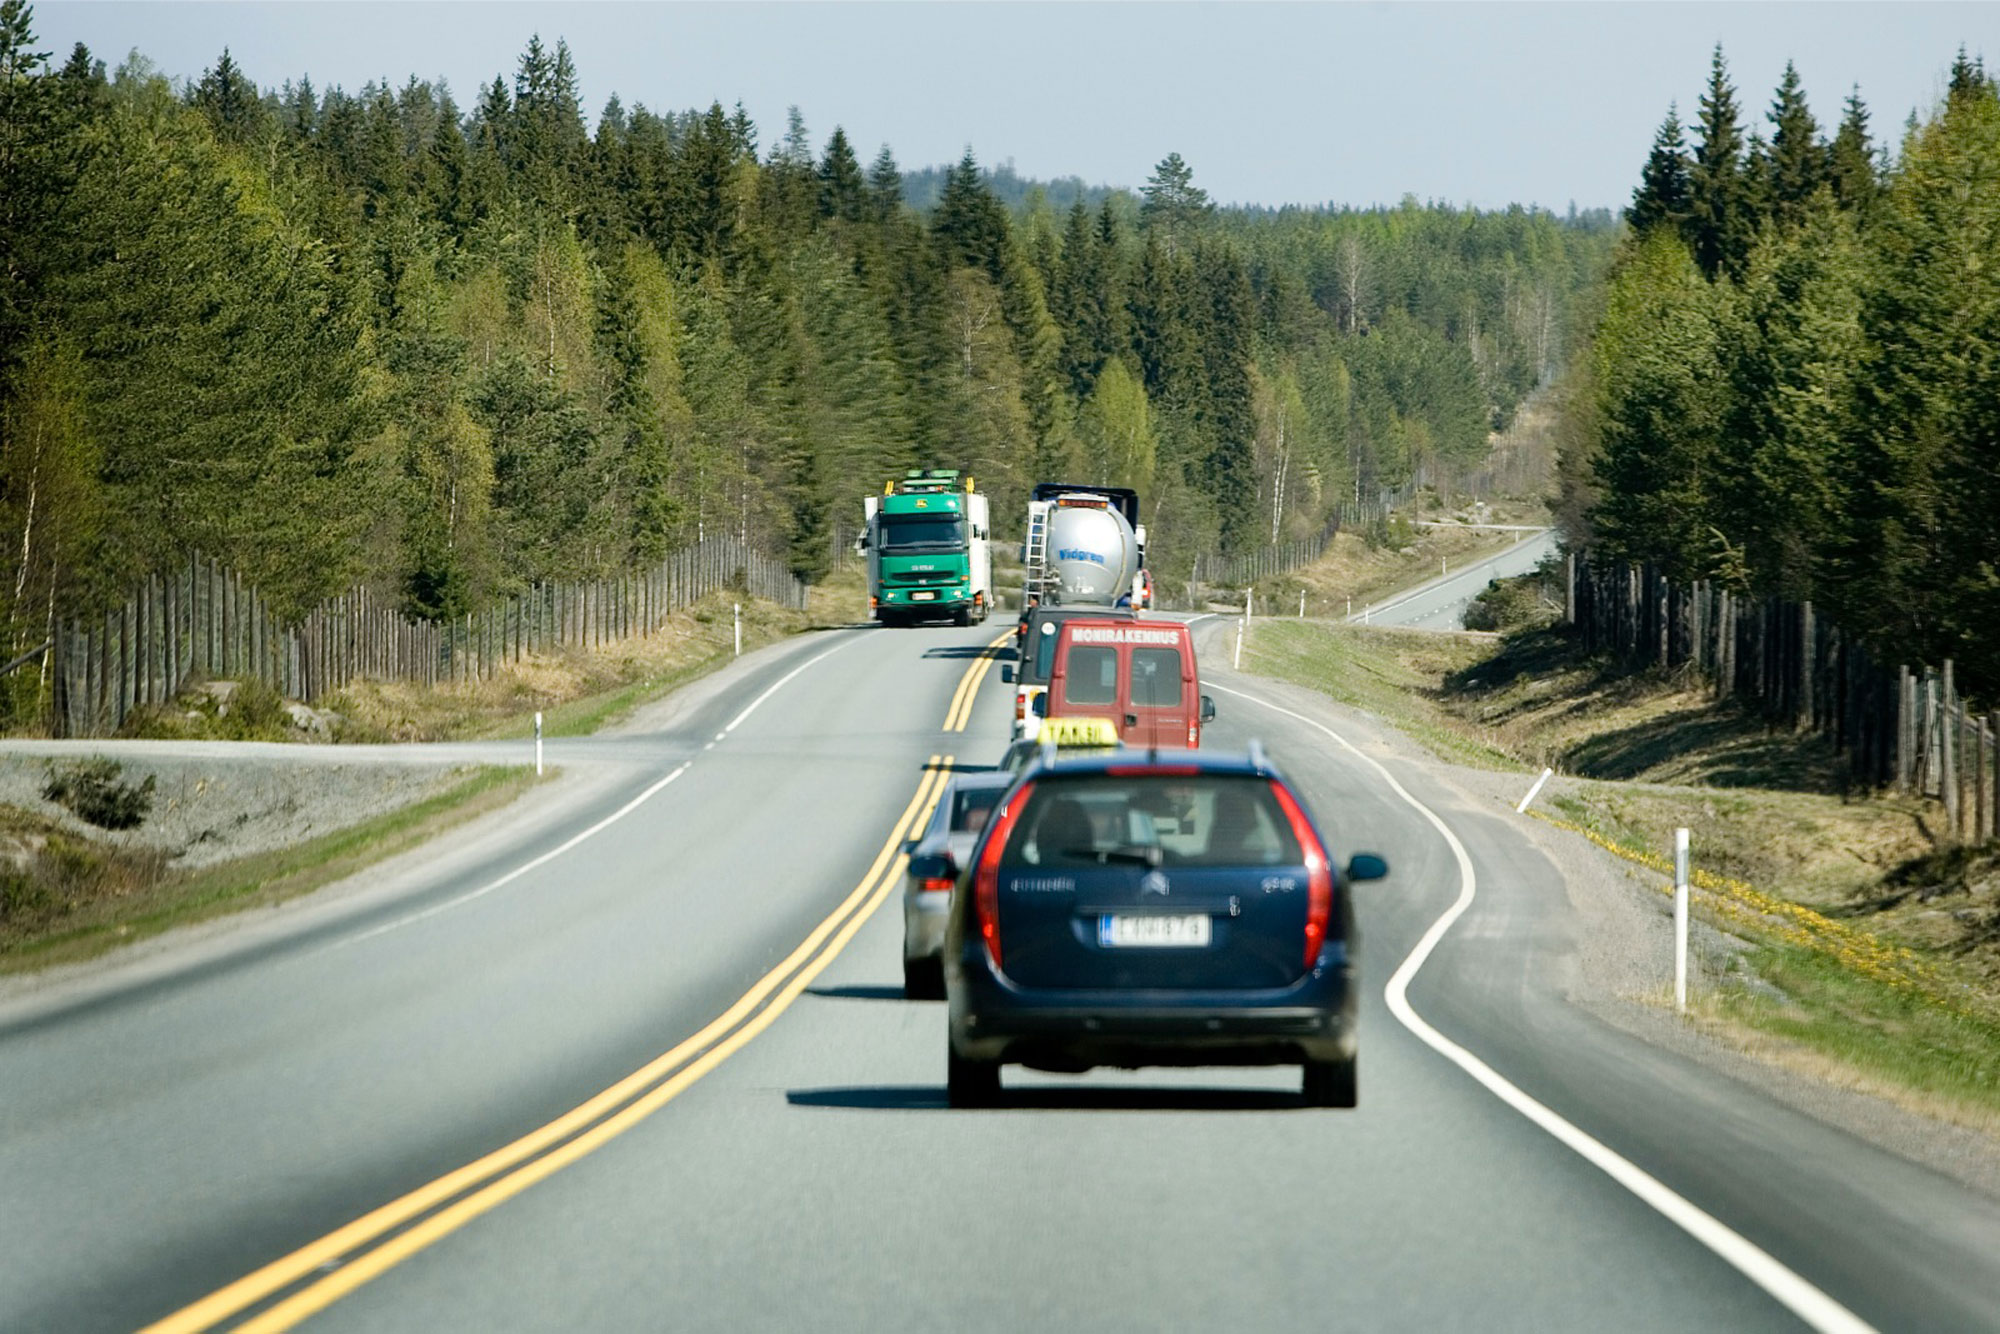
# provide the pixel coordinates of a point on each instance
(923, 979)
(970, 1083)
(1331, 1083)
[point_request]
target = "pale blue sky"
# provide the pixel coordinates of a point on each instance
(1487, 103)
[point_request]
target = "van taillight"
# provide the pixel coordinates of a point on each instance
(935, 884)
(1319, 874)
(986, 879)
(1020, 706)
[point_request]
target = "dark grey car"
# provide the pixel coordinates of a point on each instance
(936, 857)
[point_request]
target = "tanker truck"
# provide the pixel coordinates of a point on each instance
(926, 539)
(1085, 546)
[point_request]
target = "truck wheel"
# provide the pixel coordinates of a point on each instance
(963, 616)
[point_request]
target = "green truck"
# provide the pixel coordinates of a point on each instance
(927, 539)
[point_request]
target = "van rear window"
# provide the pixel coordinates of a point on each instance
(1156, 678)
(1093, 675)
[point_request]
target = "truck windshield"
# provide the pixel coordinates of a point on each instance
(907, 533)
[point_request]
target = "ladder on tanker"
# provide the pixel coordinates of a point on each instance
(1035, 551)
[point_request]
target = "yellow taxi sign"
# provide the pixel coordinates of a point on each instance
(1070, 733)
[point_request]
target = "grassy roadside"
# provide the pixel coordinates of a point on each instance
(1852, 946)
(577, 691)
(65, 898)
(109, 898)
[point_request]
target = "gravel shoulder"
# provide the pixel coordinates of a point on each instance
(215, 808)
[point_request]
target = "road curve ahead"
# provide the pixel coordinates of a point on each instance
(667, 1079)
(1441, 603)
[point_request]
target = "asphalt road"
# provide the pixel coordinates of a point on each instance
(1440, 604)
(404, 1109)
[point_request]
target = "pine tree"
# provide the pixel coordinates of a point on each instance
(1721, 224)
(1923, 546)
(1659, 386)
(35, 175)
(1798, 162)
(969, 224)
(230, 101)
(1663, 198)
(1851, 160)
(1791, 351)
(1229, 416)
(885, 186)
(700, 207)
(1175, 206)
(1968, 80)
(843, 193)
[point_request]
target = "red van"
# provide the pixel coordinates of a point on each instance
(1139, 674)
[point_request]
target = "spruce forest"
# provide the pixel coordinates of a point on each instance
(1794, 387)
(330, 336)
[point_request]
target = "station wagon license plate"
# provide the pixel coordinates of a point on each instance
(923, 597)
(1155, 930)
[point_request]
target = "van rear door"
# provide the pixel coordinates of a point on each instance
(1139, 674)
(1159, 697)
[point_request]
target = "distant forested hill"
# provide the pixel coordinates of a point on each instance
(923, 187)
(452, 348)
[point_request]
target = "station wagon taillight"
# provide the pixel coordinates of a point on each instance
(986, 878)
(1319, 873)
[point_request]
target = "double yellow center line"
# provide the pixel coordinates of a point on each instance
(290, 1289)
(959, 713)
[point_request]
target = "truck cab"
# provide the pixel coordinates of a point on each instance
(927, 540)
(1139, 674)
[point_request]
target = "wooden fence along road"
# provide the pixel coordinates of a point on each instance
(202, 621)
(1901, 729)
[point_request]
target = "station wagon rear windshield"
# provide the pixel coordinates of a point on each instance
(1202, 820)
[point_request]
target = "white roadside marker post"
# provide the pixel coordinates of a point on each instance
(1302, 604)
(1680, 920)
(738, 608)
(1534, 791)
(538, 743)
(1237, 662)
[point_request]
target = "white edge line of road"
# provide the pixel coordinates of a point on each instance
(591, 832)
(1804, 1300)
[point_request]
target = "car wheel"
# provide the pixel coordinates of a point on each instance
(923, 979)
(970, 1083)
(1331, 1083)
